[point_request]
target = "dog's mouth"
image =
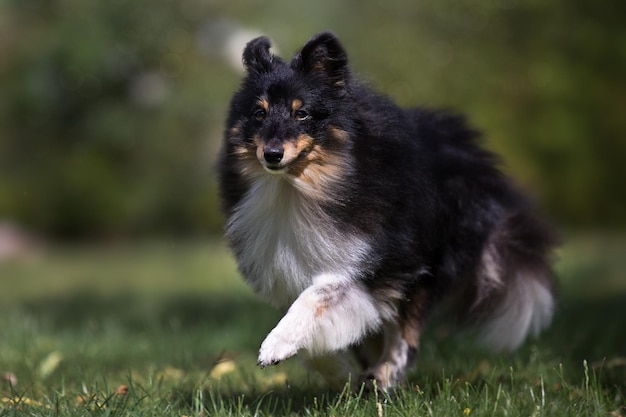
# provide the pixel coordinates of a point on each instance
(275, 168)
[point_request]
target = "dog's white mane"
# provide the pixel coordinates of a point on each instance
(284, 238)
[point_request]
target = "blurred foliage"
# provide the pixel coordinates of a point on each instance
(111, 112)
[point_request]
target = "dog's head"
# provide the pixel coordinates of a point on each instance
(291, 118)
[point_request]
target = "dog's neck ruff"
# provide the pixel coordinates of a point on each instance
(284, 239)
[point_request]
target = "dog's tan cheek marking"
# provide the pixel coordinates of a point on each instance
(249, 167)
(338, 133)
(234, 131)
(247, 161)
(259, 150)
(303, 143)
(320, 170)
(290, 149)
(329, 166)
(323, 163)
(244, 149)
(240, 151)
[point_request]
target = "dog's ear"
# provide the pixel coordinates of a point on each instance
(323, 54)
(257, 57)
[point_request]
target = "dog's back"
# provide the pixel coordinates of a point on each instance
(496, 249)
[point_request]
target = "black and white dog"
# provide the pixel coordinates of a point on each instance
(358, 218)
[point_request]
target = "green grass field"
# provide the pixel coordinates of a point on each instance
(170, 329)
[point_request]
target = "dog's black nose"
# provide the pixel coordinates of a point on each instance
(273, 154)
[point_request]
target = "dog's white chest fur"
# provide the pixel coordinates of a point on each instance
(283, 240)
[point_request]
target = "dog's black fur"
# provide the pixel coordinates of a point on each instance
(353, 209)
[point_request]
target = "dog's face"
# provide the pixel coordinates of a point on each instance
(287, 117)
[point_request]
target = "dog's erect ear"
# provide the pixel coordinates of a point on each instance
(256, 55)
(323, 54)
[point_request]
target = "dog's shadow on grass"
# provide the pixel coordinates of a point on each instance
(588, 329)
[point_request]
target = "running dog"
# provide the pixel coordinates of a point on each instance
(358, 219)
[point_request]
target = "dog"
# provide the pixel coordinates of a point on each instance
(358, 219)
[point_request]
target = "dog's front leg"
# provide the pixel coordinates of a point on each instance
(330, 315)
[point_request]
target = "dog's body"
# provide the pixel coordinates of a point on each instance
(358, 218)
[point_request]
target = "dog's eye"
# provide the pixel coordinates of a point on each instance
(260, 114)
(301, 115)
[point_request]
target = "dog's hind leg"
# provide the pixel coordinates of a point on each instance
(402, 339)
(396, 357)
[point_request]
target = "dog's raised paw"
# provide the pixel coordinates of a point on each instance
(262, 364)
(274, 350)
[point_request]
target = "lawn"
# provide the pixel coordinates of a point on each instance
(169, 329)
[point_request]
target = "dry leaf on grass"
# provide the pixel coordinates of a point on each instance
(122, 390)
(222, 368)
(50, 363)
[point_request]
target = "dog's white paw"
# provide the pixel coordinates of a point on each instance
(275, 349)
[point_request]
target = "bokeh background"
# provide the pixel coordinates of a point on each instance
(113, 270)
(111, 112)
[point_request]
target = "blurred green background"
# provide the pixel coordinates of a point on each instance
(111, 112)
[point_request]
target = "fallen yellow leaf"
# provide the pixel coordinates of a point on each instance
(222, 368)
(171, 373)
(50, 363)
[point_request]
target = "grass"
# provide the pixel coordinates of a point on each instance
(169, 329)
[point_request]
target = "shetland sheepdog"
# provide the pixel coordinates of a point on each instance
(358, 219)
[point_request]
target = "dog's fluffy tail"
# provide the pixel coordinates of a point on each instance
(516, 284)
(525, 308)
